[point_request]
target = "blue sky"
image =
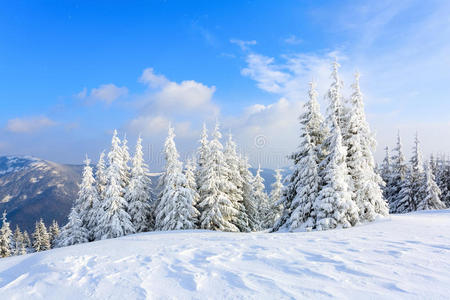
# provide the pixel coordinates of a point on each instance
(71, 71)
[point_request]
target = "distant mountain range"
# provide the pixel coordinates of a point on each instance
(33, 188)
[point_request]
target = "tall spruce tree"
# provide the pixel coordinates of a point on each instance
(430, 192)
(114, 220)
(275, 206)
(250, 205)
(73, 232)
(175, 209)
(417, 175)
(399, 181)
(217, 211)
(27, 242)
(235, 186)
(100, 176)
(5, 237)
(443, 179)
(260, 197)
(19, 243)
(359, 142)
(386, 174)
(138, 193)
(41, 238)
(54, 233)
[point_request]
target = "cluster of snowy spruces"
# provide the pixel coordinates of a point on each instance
(334, 184)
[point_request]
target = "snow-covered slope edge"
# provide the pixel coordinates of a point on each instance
(403, 256)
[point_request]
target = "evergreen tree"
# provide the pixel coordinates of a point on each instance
(443, 179)
(334, 207)
(191, 182)
(260, 197)
(248, 201)
(304, 183)
(5, 237)
(41, 238)
(87, 203)
(404, 201)
(100, 175)
(54, 233)
(217, 211)
(202, 154)
(175, 210)
(430, 192)
(399, 182)
(364, 181)
(385, 173)
(417, 176)
(275, 206)
(19, 243)
(27, 242)
(235, 186)
(125, 172)
(138, 195)
(114, 220)
(73, 232)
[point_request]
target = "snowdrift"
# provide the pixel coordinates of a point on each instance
(403, 256)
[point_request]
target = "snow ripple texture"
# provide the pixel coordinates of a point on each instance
(400, 257)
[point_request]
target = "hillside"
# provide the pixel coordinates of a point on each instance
(400, 257)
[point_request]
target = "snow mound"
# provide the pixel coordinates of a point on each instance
(400, 257)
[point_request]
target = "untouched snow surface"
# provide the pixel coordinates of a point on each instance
(403, 256)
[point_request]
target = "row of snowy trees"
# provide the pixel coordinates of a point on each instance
(215, 190)
(334, 182)
(19, 243)
(415, 186)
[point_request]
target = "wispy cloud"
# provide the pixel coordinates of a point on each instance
(244, 45)
(293, 40)
(106, 93)
(29, 125)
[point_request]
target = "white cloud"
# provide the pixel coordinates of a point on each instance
(108, 93)
(29, 125)
(153, 80)
(293, 40)
(244, 45)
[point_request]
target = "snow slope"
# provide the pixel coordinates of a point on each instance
(401, 257)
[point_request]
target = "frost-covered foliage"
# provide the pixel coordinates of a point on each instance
(235, 186)
(248, 200)
(41, 237)
(386, 174)
(5, 238)
(54, 233)
(430, 192)
(175, 209)
(138, 192)
(114, 220)
(417, 175)
(399, 200)
(217, 211)
(260, 198)
(100, 175)
(73, 232)
(20, 247)
(359, 143)
(443, 179)
(275, 206)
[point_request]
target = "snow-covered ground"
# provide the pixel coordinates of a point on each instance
(403, 256)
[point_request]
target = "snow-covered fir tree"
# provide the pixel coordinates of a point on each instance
(73, 232)
(359, 143)
(260, 197)
(27, 242)
(235, 185)
(417, 176)
(443, 179)
(175, 210)
(399, 200)
(138, 194)
(87, 203)
(202, 154)
(334, 207)
(19, 244)
(114, 220)
(430, 192)
(5, 237)
(54, 233)
(100, 177)
(248, 200)
(217, 211)
(190, 171)
(125, 172)
(275, 206)
(41, 238)
(303, 184)
(385, 173)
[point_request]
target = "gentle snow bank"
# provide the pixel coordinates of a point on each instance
(404, 256)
